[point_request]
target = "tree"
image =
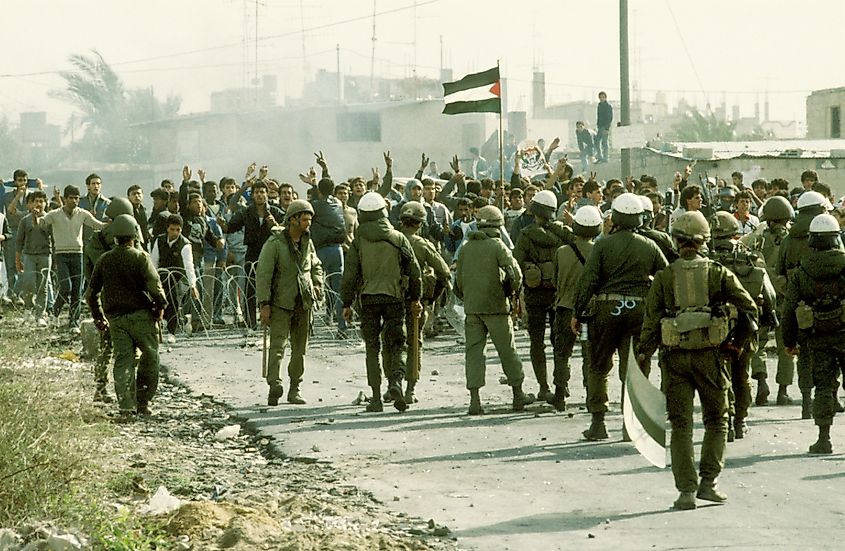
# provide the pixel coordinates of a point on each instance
(702, 127)
(109, 110)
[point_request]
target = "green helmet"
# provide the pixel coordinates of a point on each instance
(124, 225)
(691, 225)
(298, 206)
(490, 216)
(413, 210)
(777, 208)
(118, 206)
(725, 225)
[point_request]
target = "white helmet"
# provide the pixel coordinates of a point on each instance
(588, 216)
(824, 223)
(546, 198)
(647, 205)
(812, 199)
(371, 202)
(628, 203)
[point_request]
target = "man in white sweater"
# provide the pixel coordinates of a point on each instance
(67, 224)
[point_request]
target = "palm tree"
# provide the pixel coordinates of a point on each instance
(702, 127)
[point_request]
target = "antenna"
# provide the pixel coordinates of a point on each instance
(305, 68)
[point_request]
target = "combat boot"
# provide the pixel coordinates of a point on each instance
(685, 501)
(597, 430)
(102, 395)
(558, 400)
(396, 395)
(783, 398)
(475, 402)
(294, 397)
(806, 404)
(544, 394)
(276, 392)
(143, 409)
(375, 405)
(731, 433)
(708, 491)
(762, 397)
(410, 397)
(822, 445)
(521, 399)
(740, 428)
(837, 405)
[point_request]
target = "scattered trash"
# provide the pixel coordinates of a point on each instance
(360, 399)
(161, 503)
(227, 432)
(69, 355)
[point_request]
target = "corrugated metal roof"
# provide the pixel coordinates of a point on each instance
(792, 149)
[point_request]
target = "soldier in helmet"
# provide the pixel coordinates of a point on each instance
(288, 281)
(535, 251)
(750, 270)
(686, 316)
(381, 269)
(661, 239)
(616, 277)
(436, 279)
(100, 242)
(569, 261)
(125, 296)
(793, 248)
(776, 214)
(488, 280)
(814, 319)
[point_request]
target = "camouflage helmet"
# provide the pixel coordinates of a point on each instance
(725, 225)
(413, 210)
(691, 225)
(124, 225)
(777, 208)
(490, 216)
(118, 206)
(296, 207)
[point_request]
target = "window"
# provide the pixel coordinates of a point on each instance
(835, 122)
(359, 127)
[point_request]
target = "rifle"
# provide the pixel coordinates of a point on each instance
(414, 347)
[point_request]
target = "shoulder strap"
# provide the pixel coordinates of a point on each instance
(580, 256)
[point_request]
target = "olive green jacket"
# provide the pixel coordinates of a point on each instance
(124, 281)
(286, 271)
(538, 244)
(487, 274)
(820, 276)
(568, 268)
(435, 272)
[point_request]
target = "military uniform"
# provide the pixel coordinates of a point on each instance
(288, 279)
(380, 267)
(686, 298)
(535, 252)
(126, 283)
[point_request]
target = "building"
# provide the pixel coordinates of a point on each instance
(824, 113)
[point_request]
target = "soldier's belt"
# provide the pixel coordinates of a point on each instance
(616, 298)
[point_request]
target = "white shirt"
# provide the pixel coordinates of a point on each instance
(67, 230)
(187, 260)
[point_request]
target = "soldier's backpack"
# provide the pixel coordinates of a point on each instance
(825, 314)
(694, 326)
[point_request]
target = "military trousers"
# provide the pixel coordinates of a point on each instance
(101, 366)
(826, 362)
(538, 317)
(383, 322)
(128, 332)
(688, 372)
(500, 328)
(285, 325)
(739, 391)
(564, 342)
(612, 327)
(786, 363)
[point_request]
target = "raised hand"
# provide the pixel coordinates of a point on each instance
(250, 171)
(455, 164)
(388, 161)
(593, 175)
(424, 162)
(376, 175)
(262, 172)
(186, 173)
(201, 174)
(321, 160)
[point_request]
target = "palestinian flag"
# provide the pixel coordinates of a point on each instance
(644, 412)
(475, 93)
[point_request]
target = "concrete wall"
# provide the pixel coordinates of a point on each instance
(818, 112)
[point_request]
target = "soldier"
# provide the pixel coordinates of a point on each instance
(813, 315)
(569, 261)
(777, 214)
(289, 280)
(793, 248)
(125, 296)
(488, 280)
(685, 314)
(380, 268)
(617, 274)
(750, 270)
(660, 238)
(436, 279)
(535, 252)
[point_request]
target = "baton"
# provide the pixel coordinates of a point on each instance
(414, 350)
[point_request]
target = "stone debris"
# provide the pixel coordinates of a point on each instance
(227, 432)
(161, 503)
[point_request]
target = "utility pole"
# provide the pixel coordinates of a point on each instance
(624, 86)
(339, 78)
(373, 57)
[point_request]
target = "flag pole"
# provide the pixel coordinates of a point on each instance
(501, 198)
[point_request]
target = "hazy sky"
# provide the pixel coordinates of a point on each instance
(717, 50)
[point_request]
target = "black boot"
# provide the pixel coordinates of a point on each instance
(822, 445)
(762, 397)
(806, 404)
(375, 405)
(731, 433)
(410, 397)
(521, 399)
(558, 400)
(783, 398)
(294, 397)
(276, 392)
(708, 491)
(475, 402)
(396, 394)
(102, 395)
(597, 430)
(740, 428)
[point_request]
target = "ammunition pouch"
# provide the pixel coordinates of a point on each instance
(827, 321)
(532, 275)
(693, 330)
